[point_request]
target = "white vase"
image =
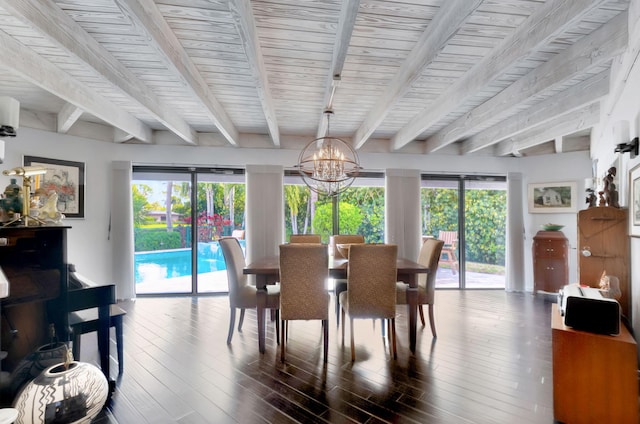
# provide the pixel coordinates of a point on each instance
(63, 395)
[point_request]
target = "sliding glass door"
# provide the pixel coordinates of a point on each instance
(176, 245)
(469, 214)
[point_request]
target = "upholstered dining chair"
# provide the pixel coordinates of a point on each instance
(341, 285)
(242, 295)
(429, 256)
(305, 238)
(303, 288)
(371, 290)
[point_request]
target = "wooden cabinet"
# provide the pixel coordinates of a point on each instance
(594, 375)
(603, 231)
(550, 261)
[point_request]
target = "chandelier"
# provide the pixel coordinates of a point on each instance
(328, 165)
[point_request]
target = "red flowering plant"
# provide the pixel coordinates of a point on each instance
(210, 227)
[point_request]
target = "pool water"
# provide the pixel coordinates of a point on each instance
(163, 264)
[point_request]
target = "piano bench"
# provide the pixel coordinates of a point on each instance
(86, 321)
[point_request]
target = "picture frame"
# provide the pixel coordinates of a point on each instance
(66, 178)
(634, 201)
(553, 197)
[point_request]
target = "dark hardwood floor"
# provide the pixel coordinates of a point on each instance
(491, 363)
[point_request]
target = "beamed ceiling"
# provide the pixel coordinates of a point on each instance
(483, 77)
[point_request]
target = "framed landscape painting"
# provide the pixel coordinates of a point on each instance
(64, 177)
(552, 197)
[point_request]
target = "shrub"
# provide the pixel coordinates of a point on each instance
(147, 239)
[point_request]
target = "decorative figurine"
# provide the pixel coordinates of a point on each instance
(609, 186)
(591, 197)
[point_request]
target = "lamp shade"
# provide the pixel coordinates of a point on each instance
(63, 395)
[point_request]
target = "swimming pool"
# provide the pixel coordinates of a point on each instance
(164, 264)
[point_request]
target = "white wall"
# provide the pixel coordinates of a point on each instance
(89, 244)
(621, 123)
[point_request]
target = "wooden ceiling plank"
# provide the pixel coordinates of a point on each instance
(33, 68)
(144, 14)
(563, 125)
(451, 15)
(57, 26)
(590, 52)
(551, 19)
(245, 24)
(573, 98)
(346, 23)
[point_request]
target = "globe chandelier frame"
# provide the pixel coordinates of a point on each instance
(328, 165)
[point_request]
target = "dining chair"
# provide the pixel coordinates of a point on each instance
(450, 239)
(303, 288)
(242, 295)
(305, 238)
(341, 285)
(85, 317)
(429, 256)
(371, 290)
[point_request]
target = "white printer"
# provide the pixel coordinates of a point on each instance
(586, 309)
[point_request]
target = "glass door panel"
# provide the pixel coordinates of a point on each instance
(485, 233)
(162, 262)
(439, 200)
(220, 200)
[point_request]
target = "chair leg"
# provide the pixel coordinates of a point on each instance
(343, 326)
(241, 320)
(278, 326)
(325, 328)
(119, 342)
(388, 327)
(393, 337)
(283, 337)
(353, 344)
(232, 322)
(421, 311)
(76, 345)
(432, 321)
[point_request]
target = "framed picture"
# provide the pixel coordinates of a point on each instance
(64, 177)
(552, 197)
(634, 201)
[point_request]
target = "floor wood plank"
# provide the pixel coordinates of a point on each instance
(491, 363)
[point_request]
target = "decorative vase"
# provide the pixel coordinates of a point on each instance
(75, 394)
(37, 361)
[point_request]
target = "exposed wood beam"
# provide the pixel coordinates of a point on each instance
(591, 51)
(58, 27)
(145, 16)
(67, 116)
(246, 25)
(33, 68)
(561, 126)
(557, 143)
(346, 22)
(451, 15)
(565, 101)
(549, 20)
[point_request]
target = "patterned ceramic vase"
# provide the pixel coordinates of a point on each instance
(63, 395)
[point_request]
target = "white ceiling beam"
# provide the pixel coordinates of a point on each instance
(561, 126)
(67, 116)
(58, 27)
(590, 52)
(144, 14)
(246, 26)
(451, 15)
(575, 97)
(30, 66)
(346, 22)
(549, 20)
(557, 144)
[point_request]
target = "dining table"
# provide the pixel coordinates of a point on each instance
(267, 271)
